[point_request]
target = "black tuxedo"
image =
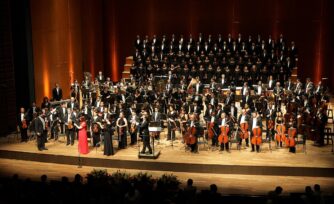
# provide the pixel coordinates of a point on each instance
(57, 94)
(73, 105)
(40, 129)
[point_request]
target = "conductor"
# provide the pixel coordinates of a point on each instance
(145, 134)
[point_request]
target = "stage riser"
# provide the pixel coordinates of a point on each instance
(168, 166)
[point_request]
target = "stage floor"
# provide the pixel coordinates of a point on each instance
(315, 161)
(237, 172)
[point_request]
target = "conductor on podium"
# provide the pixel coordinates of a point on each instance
(145, 134)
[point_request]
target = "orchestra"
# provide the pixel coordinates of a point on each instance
(237, 89)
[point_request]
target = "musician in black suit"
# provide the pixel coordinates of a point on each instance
(70, 129)
(41, 131)
(255, 122)
(224, 121)
(244, 118)
(100, 77)
(23, 125)
(57, 93)
(270, 118)
(62, 111)
(144, 132)
(73, 104)
(193, 123)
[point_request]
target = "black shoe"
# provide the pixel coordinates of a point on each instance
(247, 145)
(44, 148)
(72, 144)
(142, 152)
(40, 149)
(253, 150)
(67, 144)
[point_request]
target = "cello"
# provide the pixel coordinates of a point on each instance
(189, 137)
(280, 135)
(257, 136)
(223, 137)
(244, 130)
(290, 140)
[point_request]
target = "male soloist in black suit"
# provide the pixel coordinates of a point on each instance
(57, 93)
(40, 128)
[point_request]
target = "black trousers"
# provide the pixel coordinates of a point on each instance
(70, 136)
(247, 141)
(225, 146)
(24, 134)
(54, 131)
(257, 148)
(41, 140)
(146, 144)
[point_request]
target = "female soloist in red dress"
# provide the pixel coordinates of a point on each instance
(82, 137)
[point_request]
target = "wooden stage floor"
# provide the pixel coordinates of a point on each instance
(237, 171)
(316, 161)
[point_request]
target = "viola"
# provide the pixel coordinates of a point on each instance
(244, 130)
(280, 135)
(223, 137)
(290, 140)
(257, 136)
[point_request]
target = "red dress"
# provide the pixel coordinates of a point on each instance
(82, 138)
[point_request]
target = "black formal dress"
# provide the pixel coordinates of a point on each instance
(108, 145)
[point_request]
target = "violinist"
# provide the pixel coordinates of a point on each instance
(192, 133)
(183, 118)
(243, 122)
(70, 119)
(23, 125)
(134, 122)
(96, 128)
(171, 123)
(225, 126)
(121, 124)
(256, 133)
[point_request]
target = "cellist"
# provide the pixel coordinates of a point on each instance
(225, 126)
(280, 129)
(290, 141)
(212, 127)
(270, 121)
(256, 133)
(192, 133)
(243, 122)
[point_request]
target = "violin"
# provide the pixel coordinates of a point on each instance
(133, 128)
(70, 124)
(270, 124)
(223, 137)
